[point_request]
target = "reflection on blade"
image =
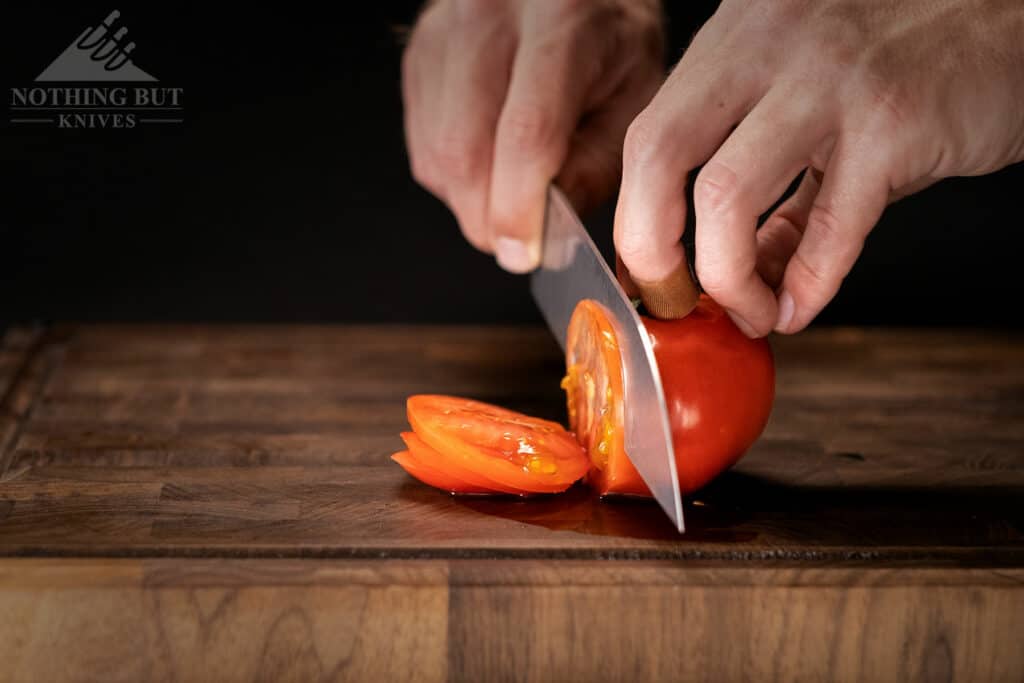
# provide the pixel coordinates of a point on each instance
(573, 269)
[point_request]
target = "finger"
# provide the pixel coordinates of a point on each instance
(781, 233)
(686, 121)
(475, 81)
(853, 194)
(422, 73)
(742, 180)
(543, 106)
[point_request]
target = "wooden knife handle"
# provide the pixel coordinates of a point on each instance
(669, 298)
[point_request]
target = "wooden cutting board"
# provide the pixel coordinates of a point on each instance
(182, 503)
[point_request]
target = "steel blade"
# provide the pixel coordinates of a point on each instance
(572, 269)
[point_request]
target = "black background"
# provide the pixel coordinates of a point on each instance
(285, 195)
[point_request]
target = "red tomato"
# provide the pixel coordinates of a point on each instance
(434, 477)
(513, 451)
(450, 466)
(719, 387)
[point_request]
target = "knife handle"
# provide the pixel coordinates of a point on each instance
(669, 298)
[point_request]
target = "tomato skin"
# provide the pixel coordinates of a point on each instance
(434, 477)
(450, 467)
(492, 447)
(719, 387)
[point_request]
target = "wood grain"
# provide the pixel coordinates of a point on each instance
(433, 620)
(195, 502)
(215, 621)
(669, 622)
(26, 360)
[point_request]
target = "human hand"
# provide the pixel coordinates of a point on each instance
(502, 97)
(877, 99)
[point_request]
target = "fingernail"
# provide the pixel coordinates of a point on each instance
(744, 326)
(786, 309)
(514, 255)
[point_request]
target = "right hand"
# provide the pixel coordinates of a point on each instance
(502, 97)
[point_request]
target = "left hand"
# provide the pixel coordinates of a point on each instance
(875, 98)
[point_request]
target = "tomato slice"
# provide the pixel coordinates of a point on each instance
(593, 385)
(451, 466)
(434, 477)
(509, 448)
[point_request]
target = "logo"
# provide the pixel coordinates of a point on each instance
(87, 96)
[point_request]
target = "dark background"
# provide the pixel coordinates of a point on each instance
(285, 195)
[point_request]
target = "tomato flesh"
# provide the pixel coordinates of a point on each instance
(451, 466)
(486, 445)
(434, 477)
(593, 386)
(719, 388)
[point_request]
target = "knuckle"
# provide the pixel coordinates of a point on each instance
(879, 86)
(642, 142)
(824, 223)
(469, 218)
(529, 128)
(843, 31)
(455, 157)
(477, 242)
(425, 178)
(811, 276)
(419, 173)
(717, 279)
(724, 276)
(836, 54)
(717, 186)
(632, 248)
(886, 101)
(475, 236)
(419, 167)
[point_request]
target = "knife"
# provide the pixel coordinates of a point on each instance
(572, 269)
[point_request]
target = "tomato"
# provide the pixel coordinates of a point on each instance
(434, 477)
(512, 451)
(450, 466)
(719, 388)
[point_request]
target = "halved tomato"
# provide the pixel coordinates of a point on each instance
(434, 477)
(719, 387)
(513, 450)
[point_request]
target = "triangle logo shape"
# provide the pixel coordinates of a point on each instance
(98, 54)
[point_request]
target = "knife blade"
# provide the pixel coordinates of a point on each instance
(572, 269)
